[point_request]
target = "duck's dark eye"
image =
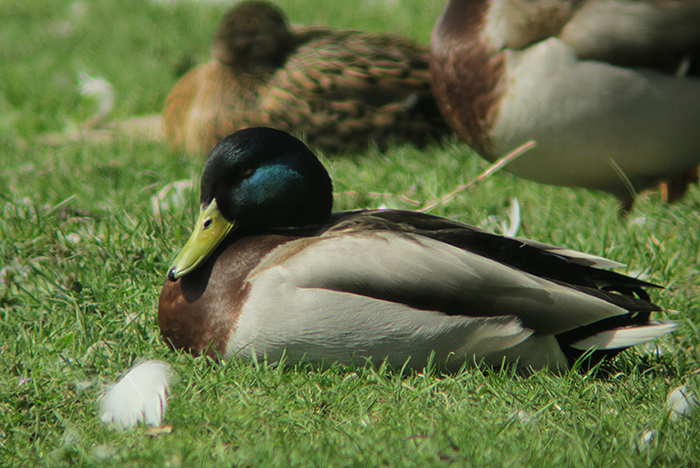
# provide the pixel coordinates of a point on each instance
(207, 223)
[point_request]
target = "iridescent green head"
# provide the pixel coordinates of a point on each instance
(254, 180)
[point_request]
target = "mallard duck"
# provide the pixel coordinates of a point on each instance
(602, 86)
(341, 89)
(271, 271)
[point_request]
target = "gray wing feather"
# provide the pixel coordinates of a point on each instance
(430, 275)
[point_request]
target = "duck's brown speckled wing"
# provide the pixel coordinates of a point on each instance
(344, 89)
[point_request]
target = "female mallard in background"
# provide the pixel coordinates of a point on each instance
(602, 86)
(341, 89)
(269, 270)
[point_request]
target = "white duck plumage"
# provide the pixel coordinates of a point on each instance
(594, 82)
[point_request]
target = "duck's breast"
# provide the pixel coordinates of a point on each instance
(197, 312)
(203, 107)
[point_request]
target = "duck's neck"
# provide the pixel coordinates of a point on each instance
(468, 61)
(461, 20)
(467, 71)
(247, 73)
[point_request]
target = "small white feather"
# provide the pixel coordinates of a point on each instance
(510, 228)
(99, 89)
(681, 401)
(645, 440)
(523, 417)
(140, 396)
(626, 337)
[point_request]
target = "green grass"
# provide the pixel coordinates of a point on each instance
(82, 259)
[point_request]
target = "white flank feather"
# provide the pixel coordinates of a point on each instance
(681, 401)
(626, 337)
(140, 396)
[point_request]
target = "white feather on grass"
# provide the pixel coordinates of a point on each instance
(139, 396)
(499, 225)
(645, 440)
(510, 228)
(101, 91)
(681, 401)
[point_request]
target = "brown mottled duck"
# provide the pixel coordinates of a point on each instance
(340, 89)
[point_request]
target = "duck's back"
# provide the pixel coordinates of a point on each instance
(661, 35)
(345, 89)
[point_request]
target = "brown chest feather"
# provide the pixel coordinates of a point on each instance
(198, 312)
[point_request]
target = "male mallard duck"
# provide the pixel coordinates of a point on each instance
(341, 89)
(591, 81)
(270, 270)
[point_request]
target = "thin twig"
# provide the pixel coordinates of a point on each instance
(490, 170)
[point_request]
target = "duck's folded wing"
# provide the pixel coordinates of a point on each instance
(347, 83)
(430, 275)
(537, 258)
(635, 33)
(350, 64)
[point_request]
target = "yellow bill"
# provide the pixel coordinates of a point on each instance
(211, 228)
